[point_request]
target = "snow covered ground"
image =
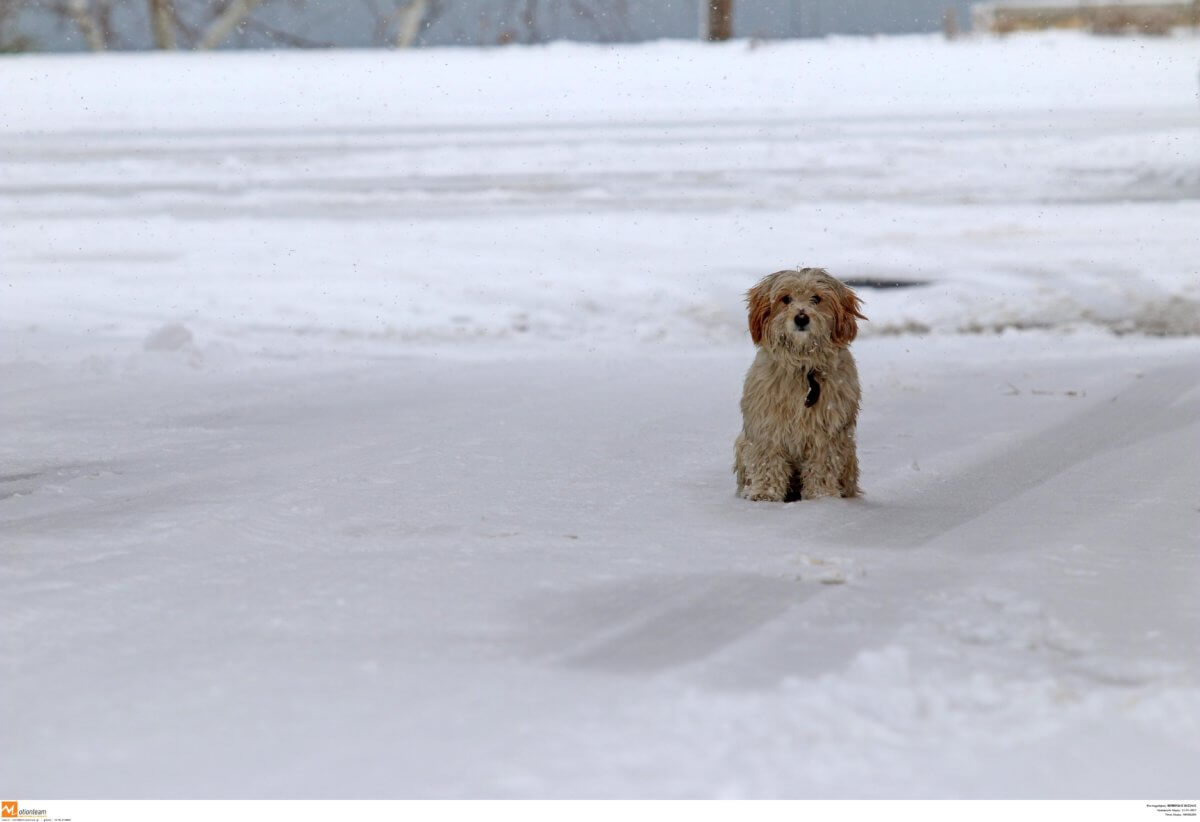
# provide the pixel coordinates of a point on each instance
(366, 422)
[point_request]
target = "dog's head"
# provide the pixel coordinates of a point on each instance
(802, 311)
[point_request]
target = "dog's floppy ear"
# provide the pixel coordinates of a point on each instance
(845, 317)
(759, 301)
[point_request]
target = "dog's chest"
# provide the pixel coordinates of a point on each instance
(799, 400)
(807, 400)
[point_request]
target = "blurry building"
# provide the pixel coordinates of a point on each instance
(1100, 16)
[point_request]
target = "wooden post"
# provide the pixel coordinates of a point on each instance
(717, 22)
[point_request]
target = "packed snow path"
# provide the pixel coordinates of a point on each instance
(439, 578)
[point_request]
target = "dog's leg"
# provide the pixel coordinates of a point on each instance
(764, 472)
(739, 464)
(848, 479)
(819, 471)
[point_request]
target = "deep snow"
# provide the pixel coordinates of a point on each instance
(366, 431)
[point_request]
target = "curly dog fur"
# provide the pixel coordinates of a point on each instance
(801, 398)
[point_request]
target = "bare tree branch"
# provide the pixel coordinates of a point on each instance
(81, 13)
(11, 40)
(104, 17)
(402, 24)
(187, 33)
(408, 22)
(162, 22)
(286, 38)
(223, 25)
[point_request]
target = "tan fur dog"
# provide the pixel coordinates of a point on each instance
(800, 402)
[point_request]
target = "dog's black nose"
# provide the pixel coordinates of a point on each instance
(802, 321)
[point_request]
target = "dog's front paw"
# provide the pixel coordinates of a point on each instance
(763, 495)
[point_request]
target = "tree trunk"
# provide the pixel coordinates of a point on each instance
(408, 23)
(718, 19)
(220, 28)
(162, 20)
(81, 13)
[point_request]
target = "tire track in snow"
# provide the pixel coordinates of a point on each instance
(665, 622)
(1148, 407)
(655, 622)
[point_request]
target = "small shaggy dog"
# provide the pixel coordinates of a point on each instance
(800, 402)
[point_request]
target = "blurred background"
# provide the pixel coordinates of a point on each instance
(73, 25)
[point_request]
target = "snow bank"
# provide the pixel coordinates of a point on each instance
(288, 203)
(571, 83)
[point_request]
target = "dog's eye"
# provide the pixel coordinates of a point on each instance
(816, 300)
(786, 299)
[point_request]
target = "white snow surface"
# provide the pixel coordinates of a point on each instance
(367, 421)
